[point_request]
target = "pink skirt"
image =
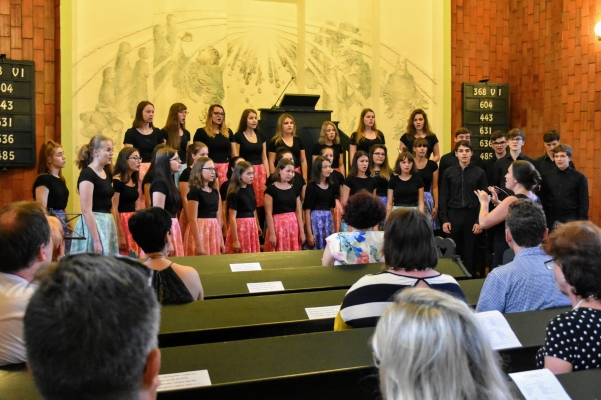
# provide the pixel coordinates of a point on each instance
(210, 236)
(337, 215)
(130, 244)
(259, 184)
(297, 170)
(286, 232)
(221, 172)
(176, 239)
(140, 204)
(248, 236)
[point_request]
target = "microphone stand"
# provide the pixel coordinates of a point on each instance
(274, 107)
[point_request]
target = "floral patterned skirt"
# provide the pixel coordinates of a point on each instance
(130, 243)
(107, 232)
(210, 236)
(183, 221)
(248, 236)
(221, 172)
(286, 231)
(384, 200)
(62, 216)
(176, 239)
(322, 226)
(259, 184)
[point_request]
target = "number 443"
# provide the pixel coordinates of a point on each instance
(6, 104)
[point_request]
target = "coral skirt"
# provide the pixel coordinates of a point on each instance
(130, 243)
(221, 172)
(286, 232)
(176, 239)
(210, 236)
(259, 184)
(248, 236)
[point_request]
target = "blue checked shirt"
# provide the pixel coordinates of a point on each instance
(524, 284)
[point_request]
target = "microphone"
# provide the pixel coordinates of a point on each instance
(274, 107)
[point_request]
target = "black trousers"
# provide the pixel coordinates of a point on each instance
(462, 223)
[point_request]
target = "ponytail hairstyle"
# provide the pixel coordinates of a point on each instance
(196, 174)
(405, 155)
(525, 174)
(232, 163)
(385, 170)
(162, 171)
(191, 150)
(283, 163)
(356, 157)
(86, 152)
(121, 166)
(236, 179)
(278, 137)
(209, 122)
(172, 126)
(316, 168)
(244, 119)
(47, 150)
(139, 119)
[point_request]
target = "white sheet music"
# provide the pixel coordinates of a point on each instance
(499, 332)
(183, 380)
(257, 287)
(322, 312)
(255, 266)
(539, 384)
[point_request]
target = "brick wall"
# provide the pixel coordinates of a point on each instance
(29, 30)
(548, 53)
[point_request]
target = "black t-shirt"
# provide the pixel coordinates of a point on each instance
(284, 201)
(336, 180)
(365, 144)
(183, 144)
(243, 201)
(103, 189)
(295, 149)
(251, 152)
(427, 174)
(317, 198)
(220, 147)
(337, 148)
(431, 139)
(381, 185)
(58, 193)
(185, 175)
(405, 193)
(159, 185)
(145, 144)
(223, 188)
(127, 196)
(148, 178)
(208, 202)
(359, 184)
(297, 182)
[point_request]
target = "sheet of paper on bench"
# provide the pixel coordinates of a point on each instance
(245, 267)
(322, 312)
(539, 384)
(265, 286)
(184, 380)
(499, 332)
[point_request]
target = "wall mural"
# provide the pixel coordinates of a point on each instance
(243, 59)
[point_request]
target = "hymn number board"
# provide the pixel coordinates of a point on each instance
(17, 114)
(485, 110)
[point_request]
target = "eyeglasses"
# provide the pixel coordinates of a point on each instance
(498, 143)
(135, 158)
(211, 169)
(219, 113)
(550, 263)
(515, 139)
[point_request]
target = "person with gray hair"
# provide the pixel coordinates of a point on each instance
(26, 246)
(523, 284)
(428, 345)
(91, 330)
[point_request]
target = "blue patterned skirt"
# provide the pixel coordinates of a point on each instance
(381, 223)
(322, 225)
(106, 231)
(428, 206)
(60, 214)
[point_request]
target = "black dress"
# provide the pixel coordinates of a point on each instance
(169, 287)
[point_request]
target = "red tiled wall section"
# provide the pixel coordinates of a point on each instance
(29, 30)
(548, 53)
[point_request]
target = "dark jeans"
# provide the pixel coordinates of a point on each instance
(462, 222)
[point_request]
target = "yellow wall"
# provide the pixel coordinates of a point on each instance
(389, 55)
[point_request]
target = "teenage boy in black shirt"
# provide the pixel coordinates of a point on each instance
(545, 162)
(516, 139)
(450, 159)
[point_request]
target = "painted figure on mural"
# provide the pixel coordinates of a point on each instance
(123, 75)
(206, 77)
(140, 76)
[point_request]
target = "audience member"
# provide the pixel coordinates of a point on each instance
(572, 338)
(91, 330)
(524, 284)
(564, 191)
(429, 345)
(411, 258)
(26, 245)
(173, 283)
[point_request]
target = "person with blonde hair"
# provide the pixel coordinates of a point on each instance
(428, 345)
(330, 138)
(366, 134)
(218, 138)
(285, 137)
